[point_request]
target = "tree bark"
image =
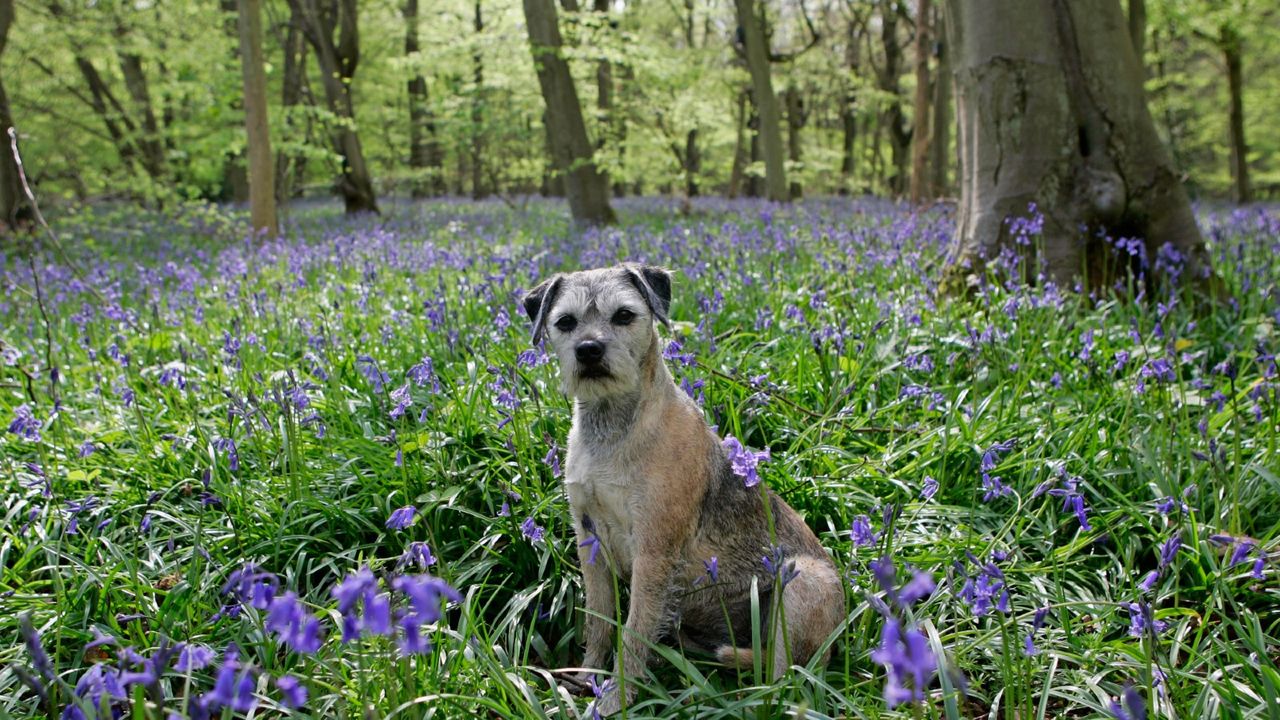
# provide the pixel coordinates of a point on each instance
(766, 103)
(1232, 53)
(262, 193)
(148, 142)
(338, 57)
(424, 148)
(1055, 115)
(737, 170)
(15, 210)
(571, 149)
(921, 189)
(478, 111)
(940, 144)
(849, 107)
(892, 118)
(795, 124)
(291, 170)
(1138, 32)
(604, 92)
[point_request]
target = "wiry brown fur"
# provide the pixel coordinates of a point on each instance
(647, 474)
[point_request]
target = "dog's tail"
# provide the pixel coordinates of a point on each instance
(734, 656)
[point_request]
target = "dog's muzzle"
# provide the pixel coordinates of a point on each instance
(590, 356)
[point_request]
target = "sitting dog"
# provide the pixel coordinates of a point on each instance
(649, 481)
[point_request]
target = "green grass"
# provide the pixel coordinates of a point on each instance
(433, 280)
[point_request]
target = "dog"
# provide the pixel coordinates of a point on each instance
(650, 484)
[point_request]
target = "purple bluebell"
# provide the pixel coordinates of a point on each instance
(1142, 620)
(712, 567)
(35, 648)
(531, 530)
(233, 685)
(24, 424)
(99, 686)
(1133, 707)
(929, 488)
(251, 585)
(402, 400)
(779, 566)
(743, 461)
(290, 621)
(552, 459)
(993, 487)
(402, 518)
(193, 657)
(592, 541)
(293, 694)
(861, 532)
(418, 553)
(909, 663)
(1169, 550)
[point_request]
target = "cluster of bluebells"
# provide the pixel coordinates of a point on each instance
(909, 662)
(1067, 487)
(1241, 548)
(982, 589)
(743, 461)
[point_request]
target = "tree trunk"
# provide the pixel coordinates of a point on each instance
(338, 58)
(1231, 44)
(737, 170)
(892, 118)
(262, 193)
(148, 142)
(940, 144)
(770, 128)
(604, 90)
(921, 189)
(1138, 32)
(478, 111)
(1055, 115)
(424, 147)
(14, 207)
(290, 170)
(849, 108)
(586, 187)
(692, 163)
(795, 123)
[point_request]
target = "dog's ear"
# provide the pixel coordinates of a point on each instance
(539, 300)
(654, 284)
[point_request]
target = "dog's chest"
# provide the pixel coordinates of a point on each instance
(605, 491)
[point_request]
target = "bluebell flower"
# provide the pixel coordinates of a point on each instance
(986, 590)
(743, 461)
(1028, 646)
(861, 532)
(993, 487)
(24, 424)
(1142, 620)
(1149, 581)
(252, 586)
(1169, 550)
(1133, 708)
(418, 553)
(592, 541)
(87, 448)
(779, 566)
(929, 488)
(297, 628)
(98, 685)
(233, 685)
(909, 663)
(293, 694)
(368, 367)
(193, 657)
(402, 399)
(712, 567)
(531, 530)
(552, 459)
(402, 518)
(35, 648)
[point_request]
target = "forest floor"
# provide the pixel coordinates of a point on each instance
(321, 472)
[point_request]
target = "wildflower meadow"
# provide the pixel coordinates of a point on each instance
(319, 476)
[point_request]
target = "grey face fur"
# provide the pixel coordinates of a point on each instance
(601, 325)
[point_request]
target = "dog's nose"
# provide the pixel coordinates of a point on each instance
(589, 352)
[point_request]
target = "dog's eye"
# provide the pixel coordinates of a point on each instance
(623, 317)
(566, 323)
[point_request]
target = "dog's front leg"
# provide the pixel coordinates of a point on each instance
(597, 581)
(651, 576)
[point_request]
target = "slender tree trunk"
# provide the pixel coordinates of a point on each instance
(424, 147)
(755, 182)
(338, 57)
(290, 170)
(739, 147)
(893, 119)
(795, 124)
(921, 189)
(940, 144)
(770, 129)
(604, 91)
(262, 194)
(1231, 44)
(1138, 31)
(849, 110)
(586, 187)
(1055, 115)
(692, 163)
(478, 189)
(14, 207)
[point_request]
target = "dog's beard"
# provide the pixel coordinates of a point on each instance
(596, 382)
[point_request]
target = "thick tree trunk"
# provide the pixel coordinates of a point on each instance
(848, 109)
(424, 149)
(14, 208)
(148, 142)
(338, 58)
(940, 144)
(1138, 32)
(1055, 115)
(262, 194)
(1231, 44)
(766, 103)
(921, 189)
(586, 187)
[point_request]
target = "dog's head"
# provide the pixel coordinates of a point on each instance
(601, 324)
